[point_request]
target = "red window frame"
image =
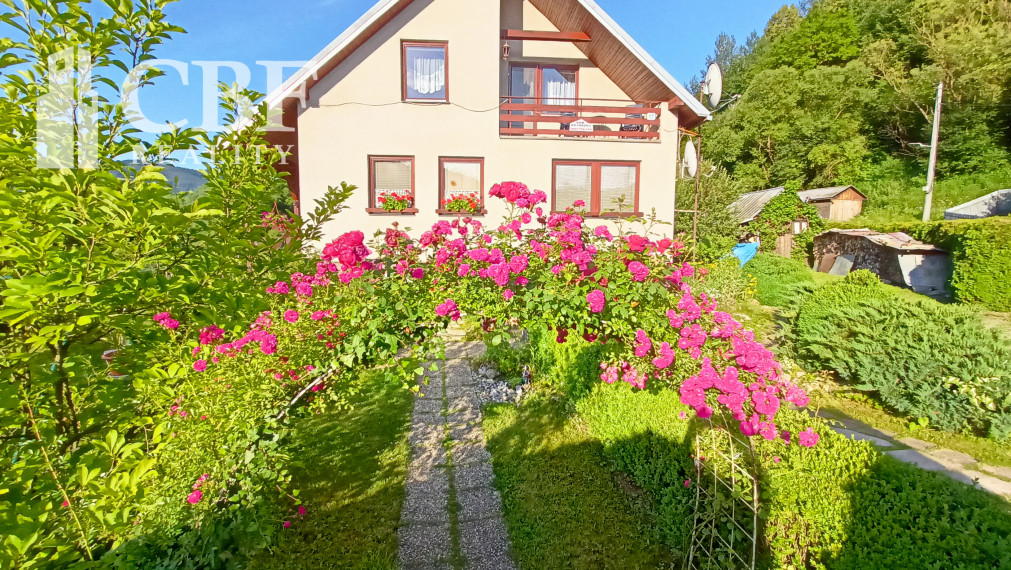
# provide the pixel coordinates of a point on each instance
(404, 44)
(539, 79)
(442, 182)
(373, 207)
(593, 208)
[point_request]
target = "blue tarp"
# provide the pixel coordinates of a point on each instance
(745, 251)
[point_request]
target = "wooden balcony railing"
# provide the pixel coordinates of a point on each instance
(592, 119)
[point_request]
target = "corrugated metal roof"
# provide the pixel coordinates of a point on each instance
(816, 194)
(993, 204)
(896, 240)
(748, 206)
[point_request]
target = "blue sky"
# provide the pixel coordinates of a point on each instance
(678, 33)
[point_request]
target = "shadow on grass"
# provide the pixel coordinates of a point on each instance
(350, 468)
(564, 507)
(904, 517)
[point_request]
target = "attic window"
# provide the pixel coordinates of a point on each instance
(425, 71)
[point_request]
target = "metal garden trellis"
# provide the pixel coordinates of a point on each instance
(726, 501)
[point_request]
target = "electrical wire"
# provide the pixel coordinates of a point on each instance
(417, 103)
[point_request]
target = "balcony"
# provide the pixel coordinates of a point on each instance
(585, 119)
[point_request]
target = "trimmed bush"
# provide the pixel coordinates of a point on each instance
(924, 359)
(780, 281)
(843, 505)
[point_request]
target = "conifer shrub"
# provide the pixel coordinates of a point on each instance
(924, 359)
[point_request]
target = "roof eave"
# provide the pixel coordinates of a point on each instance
(691, 102)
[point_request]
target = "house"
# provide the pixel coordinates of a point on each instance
(436, 99)
(748, 206)
(838, 203)
(896, 258)
(993, 204)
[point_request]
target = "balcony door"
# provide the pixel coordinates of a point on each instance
(533, 84)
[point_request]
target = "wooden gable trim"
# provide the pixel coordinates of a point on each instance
(545, 36)
(850, 193)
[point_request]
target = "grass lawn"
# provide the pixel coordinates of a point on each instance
(564, 508)
(350, 468)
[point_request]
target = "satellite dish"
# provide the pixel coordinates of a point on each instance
(690, 160)
(712, 86)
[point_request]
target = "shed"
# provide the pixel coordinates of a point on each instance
(896, 258)
(748, 206)
(993, 204)
(838, 203)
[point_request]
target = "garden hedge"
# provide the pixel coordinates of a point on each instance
(981, 255)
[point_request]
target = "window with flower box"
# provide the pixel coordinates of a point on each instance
(605, 188)
(461, 186)
(391, 185)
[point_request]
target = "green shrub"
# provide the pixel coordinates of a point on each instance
(840, 504)
(780, 281)
(572, 367)
(843, 505)
(725, 282)
(924, 359)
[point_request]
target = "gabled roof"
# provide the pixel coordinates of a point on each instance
(748, 206)
(563, 14)
(830, 193)
(326, 60)
(571, 15)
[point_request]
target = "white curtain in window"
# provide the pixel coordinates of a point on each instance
(462, 177)
(559, 87)
(428, 75)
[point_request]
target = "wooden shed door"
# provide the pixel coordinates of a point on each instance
(784, 245)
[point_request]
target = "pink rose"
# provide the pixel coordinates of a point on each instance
(808, 438)
(638, 270)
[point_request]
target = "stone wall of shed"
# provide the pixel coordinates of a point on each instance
(880, 260)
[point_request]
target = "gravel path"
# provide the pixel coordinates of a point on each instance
(452, 514)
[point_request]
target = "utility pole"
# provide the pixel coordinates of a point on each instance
(929, 188)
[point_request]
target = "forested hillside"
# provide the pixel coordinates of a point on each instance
(837, 91)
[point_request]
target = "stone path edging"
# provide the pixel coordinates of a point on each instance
(925, 455)
(452, 514)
